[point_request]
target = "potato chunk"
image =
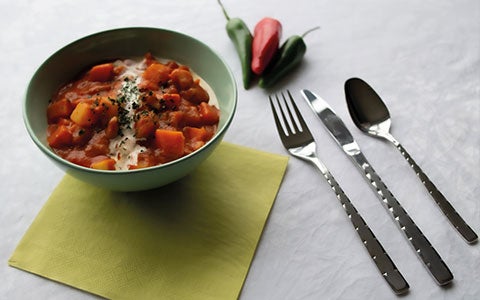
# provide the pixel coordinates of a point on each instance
(84, 115)
(106, 164)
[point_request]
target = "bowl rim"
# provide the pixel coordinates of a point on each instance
(218, 134)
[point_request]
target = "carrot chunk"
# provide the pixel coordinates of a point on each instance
(182, 79)
(59, 109)
(176, 119)
(195, 134)
(145, 126)
(156, 73)
(170, 101)
(195, 138)
(60, 137)
(102, 72)
(209, 113)
(170, 142)
(196, 94)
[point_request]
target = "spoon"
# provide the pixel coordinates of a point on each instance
(370, 114)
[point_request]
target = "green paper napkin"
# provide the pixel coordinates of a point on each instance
(193, 239)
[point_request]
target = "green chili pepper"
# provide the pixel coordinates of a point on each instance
(289, 56)
(241, 37)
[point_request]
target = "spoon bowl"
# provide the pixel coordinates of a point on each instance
(371, 115)
(368, 111)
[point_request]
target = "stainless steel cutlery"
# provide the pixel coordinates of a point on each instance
(371, 115)
(298, 140)
(423, 248)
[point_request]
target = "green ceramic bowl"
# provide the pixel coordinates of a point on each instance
(68, 62)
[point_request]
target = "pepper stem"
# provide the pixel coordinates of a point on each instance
(224, 11)
(306, 32)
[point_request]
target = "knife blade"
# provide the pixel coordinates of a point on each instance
(340, 133)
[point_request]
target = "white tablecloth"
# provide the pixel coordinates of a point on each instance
(422, 57)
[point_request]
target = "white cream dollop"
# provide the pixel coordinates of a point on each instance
(124, 148)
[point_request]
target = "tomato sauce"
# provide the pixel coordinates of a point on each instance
(129, 114)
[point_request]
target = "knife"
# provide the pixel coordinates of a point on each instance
(337, 129)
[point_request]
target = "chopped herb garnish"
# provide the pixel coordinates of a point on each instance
(127, 100)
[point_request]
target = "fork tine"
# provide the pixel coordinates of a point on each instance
(287, 108)
(285, 120)
(284, 114)
(303, 125)
(280, 129)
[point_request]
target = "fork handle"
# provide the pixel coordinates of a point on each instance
(382, 260)
(455, 219)
(424, 249)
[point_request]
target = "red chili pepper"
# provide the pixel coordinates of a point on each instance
(266, 38)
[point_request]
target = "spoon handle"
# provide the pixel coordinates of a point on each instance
(455, 219)
(423, 248)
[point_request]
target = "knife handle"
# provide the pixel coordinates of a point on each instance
(382, 260)
(424, 249)
(455, 219)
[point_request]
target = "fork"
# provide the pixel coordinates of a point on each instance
(298, 140)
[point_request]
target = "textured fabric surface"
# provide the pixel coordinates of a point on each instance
(193, 239)
(421, 57)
